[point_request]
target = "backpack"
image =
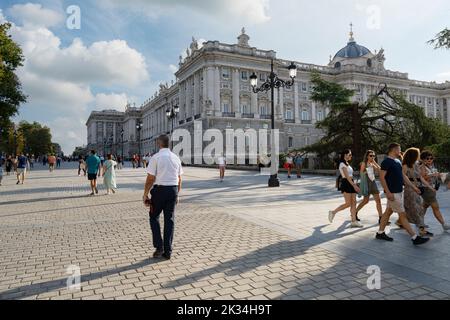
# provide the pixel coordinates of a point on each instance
(339, 182)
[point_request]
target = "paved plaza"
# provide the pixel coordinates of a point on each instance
(233, 240)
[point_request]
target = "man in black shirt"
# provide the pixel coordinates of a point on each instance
(392, 179)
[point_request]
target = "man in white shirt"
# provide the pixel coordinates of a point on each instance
(164, 180)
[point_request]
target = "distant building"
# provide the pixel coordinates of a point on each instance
(213, 87)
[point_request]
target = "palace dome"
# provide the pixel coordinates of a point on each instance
(352, 50)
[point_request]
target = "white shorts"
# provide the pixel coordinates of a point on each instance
(397, 205)
(21, 170)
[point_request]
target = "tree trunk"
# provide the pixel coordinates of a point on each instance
(356, 134)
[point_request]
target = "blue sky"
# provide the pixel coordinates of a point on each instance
(124, 49)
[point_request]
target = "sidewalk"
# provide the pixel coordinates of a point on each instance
(234, 240)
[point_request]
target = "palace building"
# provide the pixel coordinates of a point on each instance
(213, 86)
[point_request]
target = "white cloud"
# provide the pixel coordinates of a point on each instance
(69, 132)
(252, 11)
(59, 80)
(33, 14)
(173, 68)
(2, 17)
(55, 95)
(114, 101)
(443, 77)
(104, 62)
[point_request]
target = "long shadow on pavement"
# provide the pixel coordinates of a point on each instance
(43, 287)
(267, 255)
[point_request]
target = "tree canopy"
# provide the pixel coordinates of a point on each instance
(441, 40)
(386, 117)
(11, 95)
(30, 138)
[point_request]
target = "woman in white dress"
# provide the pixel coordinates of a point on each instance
(109, 175)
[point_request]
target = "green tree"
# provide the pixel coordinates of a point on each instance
(441, 40)
(384, 118)
(80, 151)
(37, 138)
(11, 95)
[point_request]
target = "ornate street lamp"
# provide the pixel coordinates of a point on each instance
(172, 114)
(273, 82)
(121, 140)
(104, 147)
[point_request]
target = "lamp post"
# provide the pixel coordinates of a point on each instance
(111, 144)
(139, 126)
(121, 140)
(15, 139)
(104, 147)
(273, 82)
(172, 114)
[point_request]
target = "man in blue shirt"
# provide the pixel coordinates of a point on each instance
(392, 179)
(93, 166)
(22, 162)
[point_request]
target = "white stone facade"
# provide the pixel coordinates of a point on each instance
(213, 86)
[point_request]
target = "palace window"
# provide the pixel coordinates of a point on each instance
(226, 107)
(225, 73)
(290, 142)
(262, 77)
(244, 75)
(263, 110)
(304, 88)
(305, 115)
(320, 115)
(245, 109)
(289, 114)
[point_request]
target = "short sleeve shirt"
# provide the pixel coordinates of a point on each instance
(166, 167)
(298, 160)
(92, 163)
(349, 170)
(394, 174)
(22, 162)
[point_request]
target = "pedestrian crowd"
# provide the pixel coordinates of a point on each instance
(410, 182)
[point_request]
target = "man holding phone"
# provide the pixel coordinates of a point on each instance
(164, 180)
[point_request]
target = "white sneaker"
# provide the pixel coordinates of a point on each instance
(331, 216)
(446, 227)
(356, 224)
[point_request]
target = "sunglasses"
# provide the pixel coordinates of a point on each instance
(430, 159)
(372, 156)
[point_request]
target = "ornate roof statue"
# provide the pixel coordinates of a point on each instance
(243, 39)
(194, 45)
(380, 55)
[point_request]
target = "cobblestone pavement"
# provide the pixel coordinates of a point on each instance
(234, 240)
